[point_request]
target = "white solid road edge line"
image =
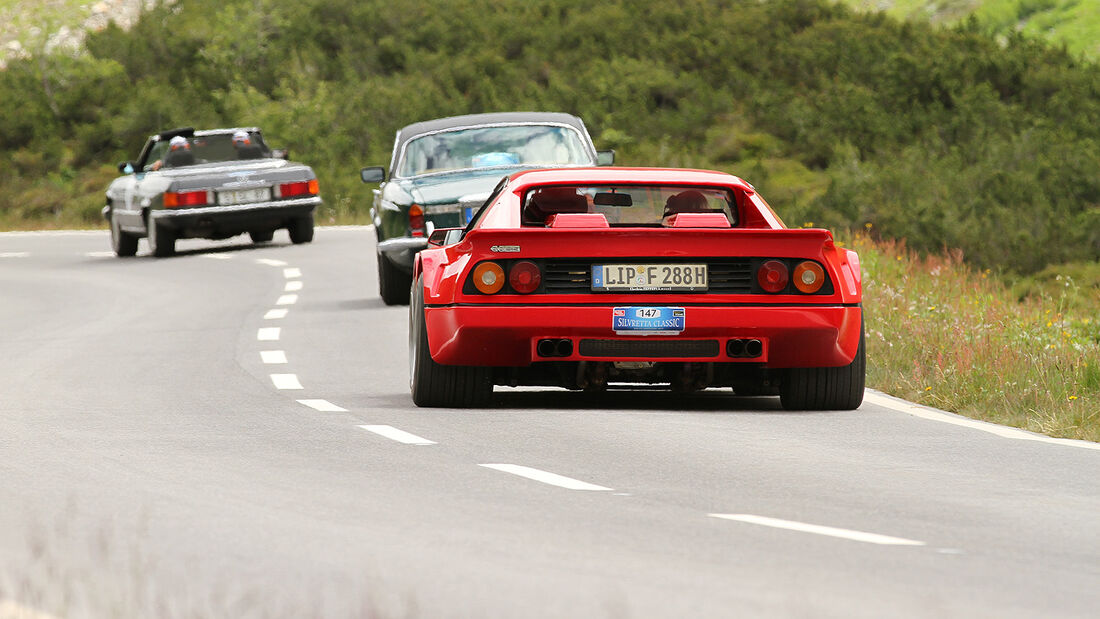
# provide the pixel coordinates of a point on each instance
(273, 356)
(909, 408)
(542, 476)
(790, 525)
(400, 436)
(323, 405)
(286, 381)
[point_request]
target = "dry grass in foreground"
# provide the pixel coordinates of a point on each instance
(943, 334)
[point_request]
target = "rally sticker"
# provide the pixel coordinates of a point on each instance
(648, 320)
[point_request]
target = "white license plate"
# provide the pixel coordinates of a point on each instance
(649, 277)
(244, 196)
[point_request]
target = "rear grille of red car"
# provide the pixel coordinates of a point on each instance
(575, 276)
(649, 348)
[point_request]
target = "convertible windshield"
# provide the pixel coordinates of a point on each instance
(627, 205)
(482, 147)
(206, 149)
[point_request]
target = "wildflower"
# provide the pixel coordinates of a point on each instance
(867, 225)
(1049, 323)
(928, 389)
(1072, 398)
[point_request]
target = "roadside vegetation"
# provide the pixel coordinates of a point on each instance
(978, 139)
(947, 335)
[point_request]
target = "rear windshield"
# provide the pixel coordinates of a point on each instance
(627, 205)
(498, 146)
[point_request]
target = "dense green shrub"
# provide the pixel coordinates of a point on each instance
(942, 137)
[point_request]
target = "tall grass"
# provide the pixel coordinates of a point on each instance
(943, 334)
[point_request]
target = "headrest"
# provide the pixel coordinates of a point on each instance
(542, 203)
(690, 201)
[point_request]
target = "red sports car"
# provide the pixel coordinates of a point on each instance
(582, 277)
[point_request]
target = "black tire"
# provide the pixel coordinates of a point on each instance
(123, 243)
(301, 229)
(435, 385)
(261, 236)
(393, 283)
(826, 388)
(162, 240)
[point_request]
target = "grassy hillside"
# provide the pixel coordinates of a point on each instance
(1075, 23)
(947, 138)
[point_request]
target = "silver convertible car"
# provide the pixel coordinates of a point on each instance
(209, 184)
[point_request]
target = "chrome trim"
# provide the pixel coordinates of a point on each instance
(169, 213)
(402, 244)
(584, 143)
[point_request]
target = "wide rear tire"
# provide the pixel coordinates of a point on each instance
(826, 388)
(301, 229)
(435, 385)
(393, 284)
(162, 240)
(123, 243)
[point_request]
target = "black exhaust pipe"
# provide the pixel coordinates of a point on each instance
(735, 348)
(545, 348)
(754, 348)
(564, 348)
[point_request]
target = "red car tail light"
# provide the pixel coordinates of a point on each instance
(301, 188)
(809, 277)
(488, 277)
(416, 224)
(173, 199)
(772, 276)
(525, 277)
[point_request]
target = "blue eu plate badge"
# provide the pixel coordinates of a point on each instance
(648, 320)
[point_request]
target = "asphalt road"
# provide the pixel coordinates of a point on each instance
(173, 443)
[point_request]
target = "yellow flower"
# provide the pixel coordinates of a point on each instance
(867, 225)
(1072, 398)
(928, 389)
(1049, 323)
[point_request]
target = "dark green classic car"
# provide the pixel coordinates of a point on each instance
(443, 170)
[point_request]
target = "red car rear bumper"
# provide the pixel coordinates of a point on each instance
(791, 336)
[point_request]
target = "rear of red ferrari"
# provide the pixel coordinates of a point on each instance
(691, 283)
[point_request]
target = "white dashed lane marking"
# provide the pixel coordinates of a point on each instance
(267, 334)
(293, 285)
(217, 256)
(275, 314)
(790, 525)
(14, 254)
(324, 406)
(400, 436)
(286, 381)
(287, 299)
(100, 254)
(542, 476)
(270, 262)
(273, 356)
(292, 273)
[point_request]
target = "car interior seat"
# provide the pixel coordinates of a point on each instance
(250, 151)
(548, 201)
(177, 158)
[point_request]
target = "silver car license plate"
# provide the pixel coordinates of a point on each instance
(244, 196)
